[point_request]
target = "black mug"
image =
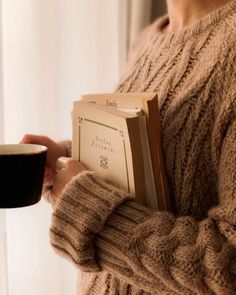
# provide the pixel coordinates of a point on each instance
(22, 169)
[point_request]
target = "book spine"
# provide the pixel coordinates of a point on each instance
(137, 159)
(154, 131)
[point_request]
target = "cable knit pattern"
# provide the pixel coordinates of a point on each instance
(124, 248)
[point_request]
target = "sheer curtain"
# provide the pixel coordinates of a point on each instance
(139, 16)
(51, 52)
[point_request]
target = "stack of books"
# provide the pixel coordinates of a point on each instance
(118, 136)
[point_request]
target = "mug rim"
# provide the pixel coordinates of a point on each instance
(22, 149)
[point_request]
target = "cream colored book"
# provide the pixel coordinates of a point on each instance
(108, 141)
(151, 137)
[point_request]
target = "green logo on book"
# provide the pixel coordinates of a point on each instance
(104, 162)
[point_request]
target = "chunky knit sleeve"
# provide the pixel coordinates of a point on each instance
(99, 227)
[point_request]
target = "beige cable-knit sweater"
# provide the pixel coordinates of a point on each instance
(124, 248)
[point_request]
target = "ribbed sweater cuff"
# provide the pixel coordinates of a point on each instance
(85, 205)
(113, 241)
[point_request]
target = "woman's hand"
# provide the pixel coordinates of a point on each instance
(55, 150)
(66, 170)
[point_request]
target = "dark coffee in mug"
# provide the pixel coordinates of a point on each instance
(22, 169)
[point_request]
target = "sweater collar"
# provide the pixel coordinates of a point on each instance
(197, 28)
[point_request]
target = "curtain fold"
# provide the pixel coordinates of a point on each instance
(3, 254)
(139, 17)
(3, 234)
(134, 16)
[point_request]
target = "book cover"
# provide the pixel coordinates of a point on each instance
(108, 141)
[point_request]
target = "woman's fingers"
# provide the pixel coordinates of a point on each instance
(35, 139)
(62, 162)
(66, 169)
(55, 150)
(65, 162)
(48, 176)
